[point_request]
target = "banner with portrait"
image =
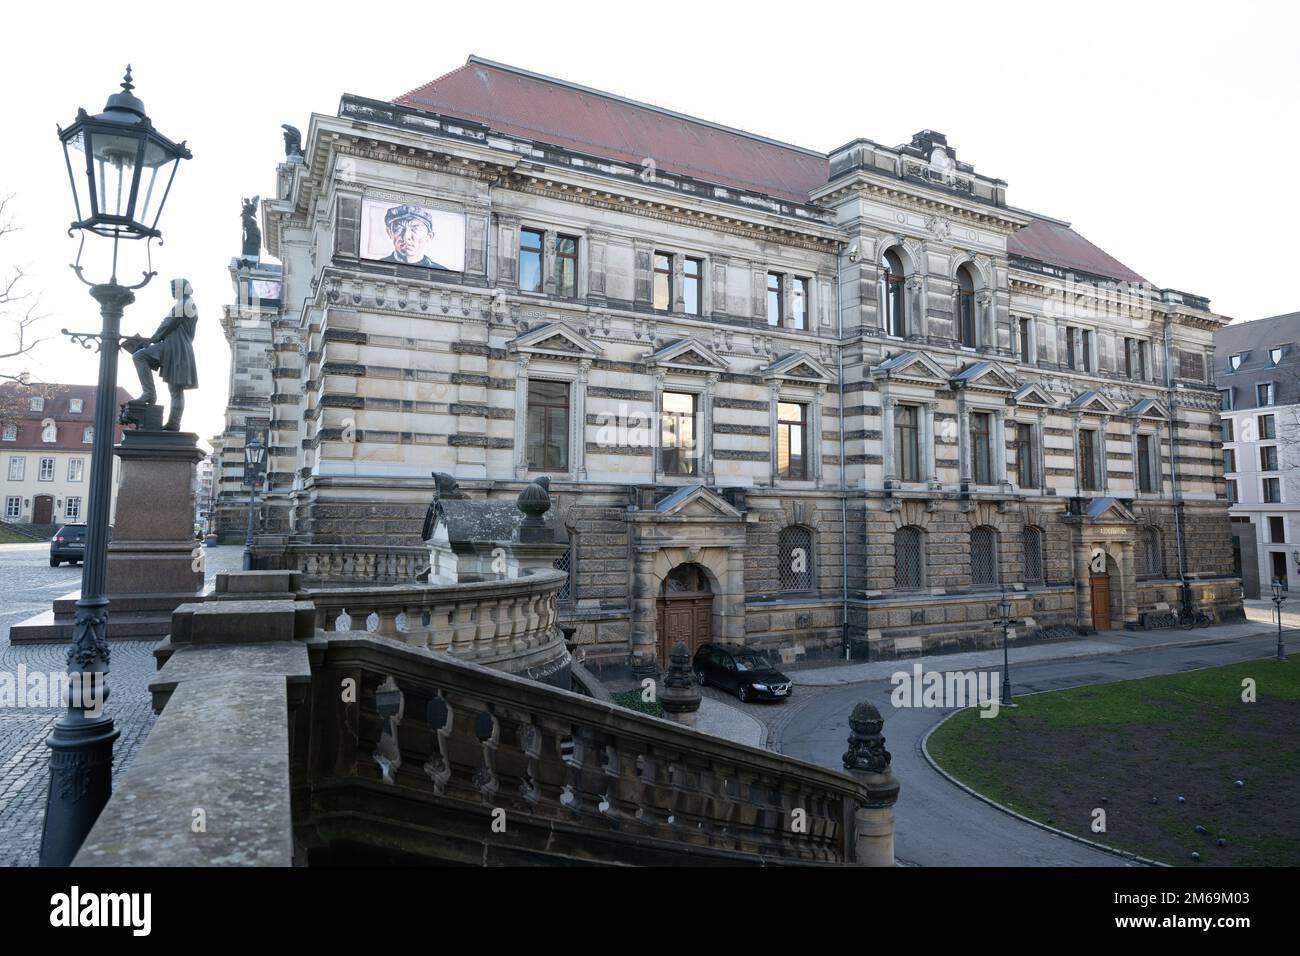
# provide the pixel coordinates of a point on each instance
(411, 234)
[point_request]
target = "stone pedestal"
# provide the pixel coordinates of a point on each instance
(151, 567)
(868, 761)
(152, 551)
(681, 694)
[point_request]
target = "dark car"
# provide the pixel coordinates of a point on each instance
(746, 673)
(69, 544)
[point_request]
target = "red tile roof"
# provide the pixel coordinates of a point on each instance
(15, 409)
(569, 116)
(574, 117)
(1057, 244)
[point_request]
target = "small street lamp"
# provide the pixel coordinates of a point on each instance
(254, 469)
(121, 170)
(1004, 611)
(1279, 595)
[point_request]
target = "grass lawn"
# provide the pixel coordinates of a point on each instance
(631, 699)
(1133, 748)
(13, 537)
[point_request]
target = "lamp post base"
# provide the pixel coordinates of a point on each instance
(81, 781)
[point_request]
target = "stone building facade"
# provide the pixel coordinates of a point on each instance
(821, 403)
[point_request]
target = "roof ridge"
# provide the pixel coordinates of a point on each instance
(605, 94)
(434, 82)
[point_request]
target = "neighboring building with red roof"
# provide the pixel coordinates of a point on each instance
(795, 399)
(46, 434)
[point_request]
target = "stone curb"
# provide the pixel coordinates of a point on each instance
(1122, 854)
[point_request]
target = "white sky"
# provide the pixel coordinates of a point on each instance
(1166, 133)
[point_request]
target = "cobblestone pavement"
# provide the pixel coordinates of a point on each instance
(30, 587)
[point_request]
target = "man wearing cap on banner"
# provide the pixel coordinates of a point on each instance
(411, 230)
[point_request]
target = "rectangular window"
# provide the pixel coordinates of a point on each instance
(663, 282)
(1069, 346)
(1026, 456)
(1264, 394)
(1232, 491)
(1025, 355)
(566, 266)
(1267, 427)
(47, 470)
(1142, 360)
(88, 435)
(75, 468)
(907, 443)
(677, 434)
(1268, 458)
(1276, 529)
(800, 297)
(1229, 460)
(1088, 460)
(791, 440)
(1273, 490)
(548, 426)
(17, 469)
(1225, 399)
(74, 406)
(981, 447)
(13, 507)
(530, 260)
(37, 404)
(11, 433)
(692, 273)
(1146, 460)
(1225, 430)
(1087, 350)
(72, 508)
(775, 298)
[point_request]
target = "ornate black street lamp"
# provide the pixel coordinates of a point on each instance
(254, 469)
(121, 171)
(1279, 595)
(1004, 612)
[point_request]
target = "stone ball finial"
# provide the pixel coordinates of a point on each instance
(681, 695)
(535, 500)
(866, 744)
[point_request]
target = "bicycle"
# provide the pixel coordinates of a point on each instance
(1195, 617)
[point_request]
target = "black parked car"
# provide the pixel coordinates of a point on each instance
(69, 544)
(746, 673)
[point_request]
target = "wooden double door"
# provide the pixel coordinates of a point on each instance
(1100, 584)
(685, 611)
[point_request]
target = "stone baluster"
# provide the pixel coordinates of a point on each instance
(441, 628)
(463, 629)
(867, 760)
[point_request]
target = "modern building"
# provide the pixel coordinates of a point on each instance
(203, 488)
(1257, 369)
(821, 402)
(46, 433)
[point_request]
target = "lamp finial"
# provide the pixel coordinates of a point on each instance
(126, 80)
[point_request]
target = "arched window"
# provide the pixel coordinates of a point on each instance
(1153, 563)
(984, 557)
(795, 546)
(909, 559)
(1031, 541)
(891, 293)
(966, 325)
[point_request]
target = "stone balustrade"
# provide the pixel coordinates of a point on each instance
(564, 775)
(510, 623)
(333, 562)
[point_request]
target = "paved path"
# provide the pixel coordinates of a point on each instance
(30, 587)
(939, 824)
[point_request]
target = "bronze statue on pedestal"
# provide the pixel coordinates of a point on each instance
(170, 352)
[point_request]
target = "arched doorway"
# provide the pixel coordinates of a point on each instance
(1107, 595)
(685, 610)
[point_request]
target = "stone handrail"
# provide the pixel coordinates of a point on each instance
(565, 775)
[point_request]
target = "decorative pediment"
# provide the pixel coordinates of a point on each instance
(696, 501)
(1033, 395)
(556, 340)
(1092, 402)
(1109, 509)
(985, 377)
(1147, 408)
(686, 355)
(913, 367)
(798, 367)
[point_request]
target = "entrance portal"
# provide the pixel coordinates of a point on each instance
(43, 510)
(685, 611)
(1100, 601)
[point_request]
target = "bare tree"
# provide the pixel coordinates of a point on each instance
(18, 318)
